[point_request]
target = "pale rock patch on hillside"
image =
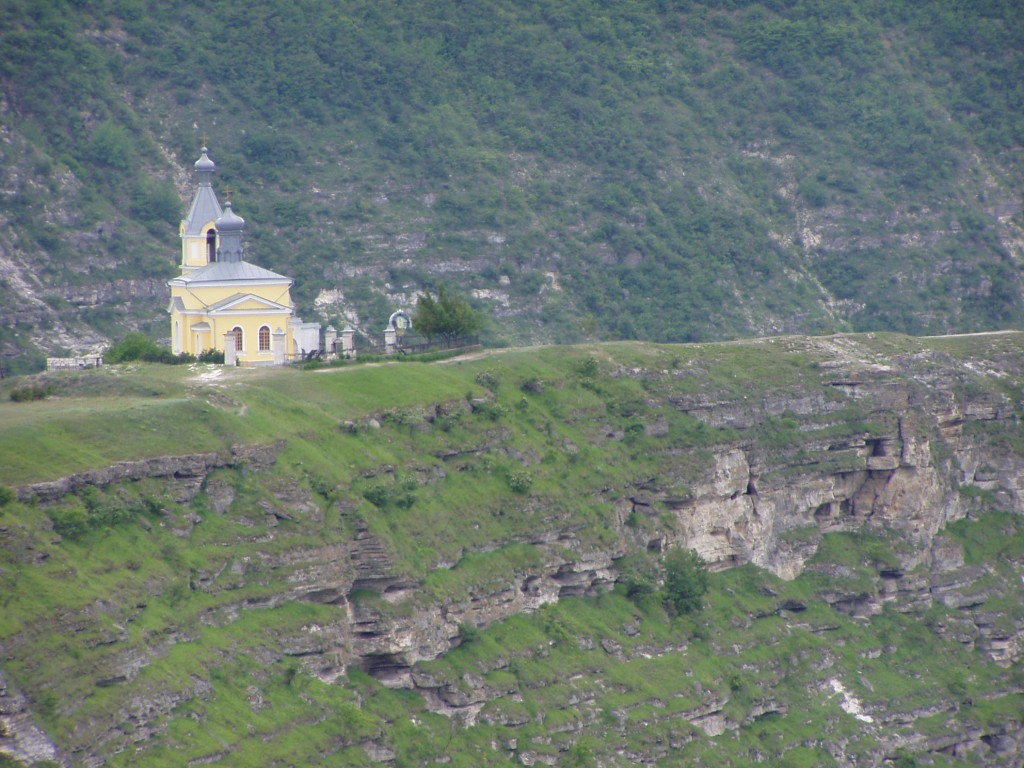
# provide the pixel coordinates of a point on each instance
(20, 737)
(849, 703)
(501, 298)
(331, 301)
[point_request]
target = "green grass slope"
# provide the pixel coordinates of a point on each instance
(170, 621)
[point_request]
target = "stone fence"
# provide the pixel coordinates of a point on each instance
(73, 363)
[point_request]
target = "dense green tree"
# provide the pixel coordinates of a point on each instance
(111, 145)
(686, 581)
(155, 202)
(446, 318)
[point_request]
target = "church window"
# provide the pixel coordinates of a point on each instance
(264, 338)
(211, 245)
(238, 338)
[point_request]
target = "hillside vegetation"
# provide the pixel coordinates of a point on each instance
(669, 170)
(458, 563)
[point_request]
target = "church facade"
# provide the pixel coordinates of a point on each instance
(221, 301)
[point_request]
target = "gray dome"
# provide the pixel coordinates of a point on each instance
(204, 164)
(229, 221)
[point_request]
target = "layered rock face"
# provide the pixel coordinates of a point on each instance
(901, 449)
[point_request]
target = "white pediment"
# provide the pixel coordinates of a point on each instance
(246, 302)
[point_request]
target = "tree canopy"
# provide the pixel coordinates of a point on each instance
(686, 580)
(447, 318)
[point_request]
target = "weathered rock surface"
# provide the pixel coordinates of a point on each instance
(195, 465)
(20, 737)
(925, 437)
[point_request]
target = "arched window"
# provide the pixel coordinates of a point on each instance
(264, 338)
(211, 245)
(238, 338)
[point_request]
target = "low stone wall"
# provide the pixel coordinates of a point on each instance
(73, 363)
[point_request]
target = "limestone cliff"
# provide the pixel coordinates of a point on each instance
(862, 436)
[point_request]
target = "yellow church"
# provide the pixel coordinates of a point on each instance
(220, 301)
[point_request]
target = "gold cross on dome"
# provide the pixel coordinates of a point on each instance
(227, 193)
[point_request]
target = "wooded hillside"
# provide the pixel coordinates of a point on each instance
(636, 169)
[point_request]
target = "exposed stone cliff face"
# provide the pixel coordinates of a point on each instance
(770, 508)
(195, 466)
(794, 470)
(20, 737)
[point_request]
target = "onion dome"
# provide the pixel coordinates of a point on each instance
(229, 221)
(229, 235)
(204, 167)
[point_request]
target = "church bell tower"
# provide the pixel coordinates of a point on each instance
(199, 229)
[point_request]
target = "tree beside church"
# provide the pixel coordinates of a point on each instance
(447, 318)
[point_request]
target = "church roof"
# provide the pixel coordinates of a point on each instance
(231, 271)
(205, 207)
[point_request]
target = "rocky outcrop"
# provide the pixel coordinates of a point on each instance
(388, 644)
(856, 449)
(20, 737)
(771, 507)
(743, 510)
(190, 466)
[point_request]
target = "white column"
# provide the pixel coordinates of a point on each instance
(348, 342)
(230, 349)
(278, 344)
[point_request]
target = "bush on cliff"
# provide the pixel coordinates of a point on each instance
(686, 581)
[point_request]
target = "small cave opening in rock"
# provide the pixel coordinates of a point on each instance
(793, 606)
(383, 666)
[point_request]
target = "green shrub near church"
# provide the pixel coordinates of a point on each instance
(137, 346)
